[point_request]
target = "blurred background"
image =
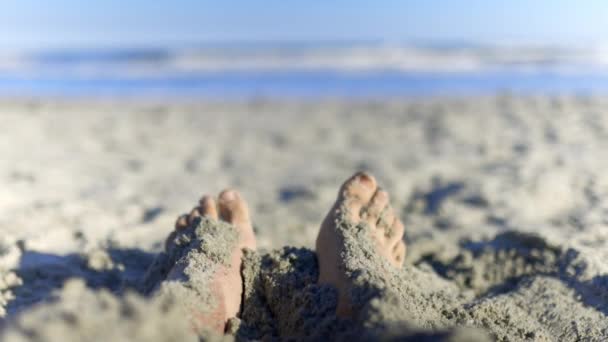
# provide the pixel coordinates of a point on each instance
(310, 48)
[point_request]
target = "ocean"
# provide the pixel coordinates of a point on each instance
(305, 70)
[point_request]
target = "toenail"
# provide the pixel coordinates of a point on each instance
(195, 212)
(182, 221)
(229, 195)
(366, 180)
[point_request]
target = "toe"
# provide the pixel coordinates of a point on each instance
(387, 218)
(372, 213)
(208, 208)
(233, 209)
(395, 234)
(181, 222)
(170, 239)
(194, 213)
(398, 254)
(355, 193)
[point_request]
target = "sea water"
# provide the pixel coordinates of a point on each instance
(305, 70)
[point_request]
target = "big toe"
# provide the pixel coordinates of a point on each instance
(233, 209)
(356, 193)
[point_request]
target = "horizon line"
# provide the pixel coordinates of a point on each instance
(298, 43)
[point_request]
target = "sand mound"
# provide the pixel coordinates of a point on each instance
(513, 287)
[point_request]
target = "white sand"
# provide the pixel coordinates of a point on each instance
(80, 175)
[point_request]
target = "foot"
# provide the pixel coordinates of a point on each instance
(227, 282)
(360, 200)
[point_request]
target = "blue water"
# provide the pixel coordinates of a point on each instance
(305, 71)
(308, 84)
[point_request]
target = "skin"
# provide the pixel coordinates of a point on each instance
(227, 283)
(359, 198)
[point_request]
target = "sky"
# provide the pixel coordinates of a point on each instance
(31, 24)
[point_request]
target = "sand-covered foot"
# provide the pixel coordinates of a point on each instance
(360, 200)
(226, 283)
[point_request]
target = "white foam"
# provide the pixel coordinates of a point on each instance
(346, 59)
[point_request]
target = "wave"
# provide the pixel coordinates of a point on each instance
(342, 58)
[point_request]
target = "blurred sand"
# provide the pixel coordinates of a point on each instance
(91, 188)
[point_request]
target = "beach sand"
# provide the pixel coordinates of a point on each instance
(504, 198)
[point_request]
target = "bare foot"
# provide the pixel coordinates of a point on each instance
(227, 283)
(359, 201)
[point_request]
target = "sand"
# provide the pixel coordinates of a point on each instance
(505, 201)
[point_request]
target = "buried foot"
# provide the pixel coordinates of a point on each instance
(360, 200)
(226, 283)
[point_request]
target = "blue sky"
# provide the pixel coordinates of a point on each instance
(72, 23)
